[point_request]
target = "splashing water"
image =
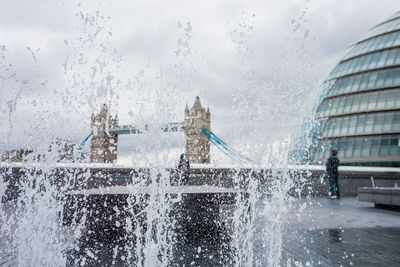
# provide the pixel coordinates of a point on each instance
(53, 217)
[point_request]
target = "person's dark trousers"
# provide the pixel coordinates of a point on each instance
(331, 185)
(336, 184)
(333, 179)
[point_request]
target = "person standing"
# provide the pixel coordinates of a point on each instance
(184, 168)
(332, 166)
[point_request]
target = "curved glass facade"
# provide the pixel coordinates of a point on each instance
(383, 41)
(370, 150)
(362, 105)
(371, 101)
(389, 25)
(371, 61)
(366, 82)
(363, 124)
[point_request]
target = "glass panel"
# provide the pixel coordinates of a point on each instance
(390, 40)
(325, 107)
(373, 45)
(364, 101)
(332, 90)
(330, 87)
(356, 83)
(319, 111)
(369, 123)
(360, 123)
(343, 85)
(384, 146)
(382, 59)
(386, 40)
(394, 145)
(397, 58)
(337, 126)
(389, 78)
(327, 149)
(365, 64)
(364, 48)
(391, 57)
(340, 106)
(357, 148)
(349, 148)
(396, 122)
(341, 147)
(343, 68)
(356, 103)
(340, 90)
(387, 123)
(347, 104)
(372, 101)
(381, 103)
(333, 145)
(397, 77)
(327, 127)
(378, 122)
(374, 60)
(322, 109)
(391, 99)
(352, 65)
(375, 146)
(359, 64)
(364, 81)
(372, 79)
(396, 40)
(380, 79)
(333, 106)
(397, 104)
(365, 152)
(330, 127)
(345, 126)
(348, 85)
(319, 152)
(381, 41)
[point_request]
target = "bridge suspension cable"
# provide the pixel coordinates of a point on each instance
(224, 148)
(215, 143)
(82, 144)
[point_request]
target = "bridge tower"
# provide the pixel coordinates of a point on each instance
(103, 145)
(197, 144)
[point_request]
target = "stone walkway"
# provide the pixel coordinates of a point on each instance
(326, 232)
(342, 232)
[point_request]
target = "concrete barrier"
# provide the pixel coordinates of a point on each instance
(389, 196)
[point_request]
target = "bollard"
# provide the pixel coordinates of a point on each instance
(372, 182)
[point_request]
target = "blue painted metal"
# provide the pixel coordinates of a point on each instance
(215, 143)
(223, 147)
(233, 151)
(82, 144)
(132, 129)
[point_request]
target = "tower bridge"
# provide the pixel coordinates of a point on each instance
(105, 131)
(133, 129)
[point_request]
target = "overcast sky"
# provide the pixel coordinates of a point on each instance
(258, 65)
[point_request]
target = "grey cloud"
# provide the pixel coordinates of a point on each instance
(272, 89)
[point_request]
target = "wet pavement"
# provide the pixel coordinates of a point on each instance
(316, 232)
(342, 232)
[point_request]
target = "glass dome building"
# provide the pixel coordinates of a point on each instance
(362, 105)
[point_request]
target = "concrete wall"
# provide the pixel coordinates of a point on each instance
(307, 182)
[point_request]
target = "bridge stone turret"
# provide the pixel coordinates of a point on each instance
(103, 145)
(197, 144)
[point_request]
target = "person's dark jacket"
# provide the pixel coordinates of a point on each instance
(332, 165)
(184, 165)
